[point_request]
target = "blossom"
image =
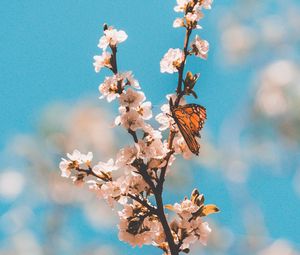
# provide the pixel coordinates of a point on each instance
(201, 229)
(135, 228)
(114, 85)
(109, 88)
(109, 166)
(165, 117)
(185, 209)
(145, 110)
(130, 120)
(75, 156)
(126, 156)
(74, 161)
(206, 4)
(87, 158)
(179, 22)
(197, 230)
(151, 132)
(113, 191)
(130, 80)
(172, 61)
(131, 98)
(181, 147)
(153, 149)
(102, 61)
(112, 37)
(200, 47)
(65, 168)
(181, 5)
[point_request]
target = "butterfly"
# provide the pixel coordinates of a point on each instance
(190, 119)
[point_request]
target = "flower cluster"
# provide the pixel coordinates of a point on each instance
(136, 175)
(189, 227)
(174, 59)
(192, 10)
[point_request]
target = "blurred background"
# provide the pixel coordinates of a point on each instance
(249, 163)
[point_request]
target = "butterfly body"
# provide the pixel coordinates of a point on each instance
(190, 119)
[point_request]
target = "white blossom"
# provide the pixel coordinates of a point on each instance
(126, 156)
(129, 120)
(109, 88)
(165, 117)
(185, 209)
(114, 85)
(181, 147)
(74, 161)
(128, 76)
(114, 191)
(109, 166)
(181, 5)
(112, 37)
(64, 166)
(75, 156)
(154, 149)
(200, 47)
(194, 16)
(145, 230)
(145, 110)
(178, 22)
(102, 61)
(206, 4)
(131, 98)
(171, 61)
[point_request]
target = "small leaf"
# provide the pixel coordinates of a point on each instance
(170, 207)
(209, 209)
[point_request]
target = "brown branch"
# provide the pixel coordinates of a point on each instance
(142, 170)
(114, 59)
(88, 172)
(179, 89)
(134, 136)
(162, 217)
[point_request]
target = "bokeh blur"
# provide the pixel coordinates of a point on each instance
(249, 163)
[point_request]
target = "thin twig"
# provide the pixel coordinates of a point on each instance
(134, 136)
(179, 90)
(151, 208)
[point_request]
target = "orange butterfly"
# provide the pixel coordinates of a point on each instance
(190, 120)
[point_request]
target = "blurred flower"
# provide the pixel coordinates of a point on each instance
(11, 184)
(279, 247)
(238, 41)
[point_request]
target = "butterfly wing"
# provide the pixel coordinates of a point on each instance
(190, 120)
